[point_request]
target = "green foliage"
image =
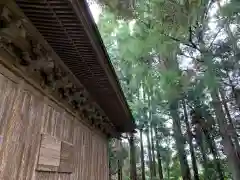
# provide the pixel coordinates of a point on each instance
(149, 42)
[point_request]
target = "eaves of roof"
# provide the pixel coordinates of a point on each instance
(69, 28)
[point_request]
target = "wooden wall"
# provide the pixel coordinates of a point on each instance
(25, 114)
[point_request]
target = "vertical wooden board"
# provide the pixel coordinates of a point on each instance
(37, 142)
(90, 153)
(65, 130)
(55, 120)
(67, 134)
(98, 160)
(106, 162)
(80, 145)
(66, 158)
(76, 154)
(4, 94)
(87, 153)
(84, 144)
(25, 115)
(32, 140)
(64, 176)
(101, 156)
(103, 166)
(12, 143)
(49, 155)
(92, 158)
(46, 118)
(98, 156)
(2, 79)
(103, 171)
(8, 97)
(83, 147)
(49, 123)
(59, 124)
(71, 130)
(63, 133)
(52, 122)
(80, 135)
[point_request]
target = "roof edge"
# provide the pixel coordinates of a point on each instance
(83, 12)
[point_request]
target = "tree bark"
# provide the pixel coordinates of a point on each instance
(185, 171)
(153, 152)
(235, 94)
(159, 159)
(149, 154)
(142, 156)
(133, 171)
(199, 140)
(213, 150)
(234, 133)
(232, 156)
(190, 138)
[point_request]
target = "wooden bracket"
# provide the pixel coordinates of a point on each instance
(31, 56)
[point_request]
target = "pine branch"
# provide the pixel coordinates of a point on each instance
(190, 44)
(191, 39)
(181, 41)
(211, 44)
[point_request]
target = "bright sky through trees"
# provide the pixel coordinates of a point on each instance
(96, 10)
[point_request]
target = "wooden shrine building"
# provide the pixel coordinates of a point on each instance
(60, 100)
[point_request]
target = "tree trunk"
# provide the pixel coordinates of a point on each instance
(149, 154)
(234, 42)
(153, 152)
(133, 171)
(119, 173)
(235, 94)
(168, 173)
(185, 171)
(190, 138)
(234, 133)
(142, 156)
(232, 156)
(199, 140)
(213, 150)
(160, 171)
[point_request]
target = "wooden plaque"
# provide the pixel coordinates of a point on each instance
(49, 155)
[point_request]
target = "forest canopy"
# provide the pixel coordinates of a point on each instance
(178, 64)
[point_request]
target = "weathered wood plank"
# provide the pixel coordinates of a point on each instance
(66, 159)
(49, 155)
(11, 137)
